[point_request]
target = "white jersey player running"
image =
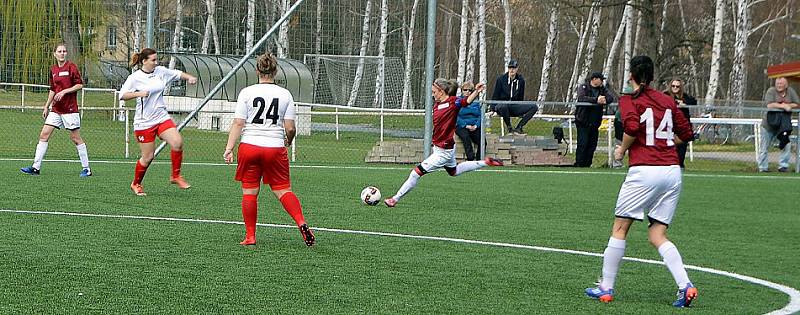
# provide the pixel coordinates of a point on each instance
(264, 119)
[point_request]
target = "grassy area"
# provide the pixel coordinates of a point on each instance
(38, 96)
(81, 265)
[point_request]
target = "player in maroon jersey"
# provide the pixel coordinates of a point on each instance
(652, 121)
(445, 111)
(65, 81)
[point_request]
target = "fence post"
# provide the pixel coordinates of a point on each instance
(797, 147)
(83, 100)
(569, 121)
(337, 123)
(381, 124)
(294, 143)
(609, 138)
(757, 140)
(23, 98)
(127, 134)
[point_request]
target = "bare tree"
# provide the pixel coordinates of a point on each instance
(462, 39)
(597, 11)
(406, 103)
(379, 80)
(738, 73)
(609, 63)
(176, 35)
(362, 52)
(473, 48)
(692, 63)
(137, 27)
(482, 40)
(251, 19)
(211, 29)
(716, 50)
(628, 50)
(507, 31)
(574, 78)
(283, 32)
(552, 37)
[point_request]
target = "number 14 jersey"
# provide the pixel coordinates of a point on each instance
(654, 119)
(264, 107)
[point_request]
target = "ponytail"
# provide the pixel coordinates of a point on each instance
(137, 58)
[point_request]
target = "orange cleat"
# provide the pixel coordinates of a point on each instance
(493, 162)
(138, 189)
(390, 202)
(182, 183)
(248, 241)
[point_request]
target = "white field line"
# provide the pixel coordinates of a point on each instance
(792, 307)
(388, 168)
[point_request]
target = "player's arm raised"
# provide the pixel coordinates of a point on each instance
(478, 89)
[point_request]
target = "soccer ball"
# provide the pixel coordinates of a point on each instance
(370, 195)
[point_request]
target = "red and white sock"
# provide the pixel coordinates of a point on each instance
(292, 206)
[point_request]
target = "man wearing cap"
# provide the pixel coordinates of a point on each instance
(588, 117)
(511, 87)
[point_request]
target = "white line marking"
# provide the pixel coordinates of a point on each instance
(389, 168)
(792, 307)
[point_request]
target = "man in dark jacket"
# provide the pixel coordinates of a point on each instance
(588, 117)
(511, 87)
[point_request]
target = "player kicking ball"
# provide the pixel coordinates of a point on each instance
(445, 112)
(264, 119)
(653, 182)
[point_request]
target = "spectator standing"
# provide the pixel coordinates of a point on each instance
(781, 99)
(683, 100)
(589, 117)
(468, 123)
(511, 87)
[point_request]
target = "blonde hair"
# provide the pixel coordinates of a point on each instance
(468, 86)
(448, 86)
(267, 65)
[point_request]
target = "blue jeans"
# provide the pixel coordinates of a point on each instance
(767, 138)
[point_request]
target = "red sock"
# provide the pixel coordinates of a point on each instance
(177, 159)
(292, 206)
(138, 174)
(250, 215)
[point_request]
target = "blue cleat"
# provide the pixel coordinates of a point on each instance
(30, 170)
(597, 293)
(686, 296)
(86, 172)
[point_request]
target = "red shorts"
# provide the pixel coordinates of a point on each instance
(271, 165)
(149, 135)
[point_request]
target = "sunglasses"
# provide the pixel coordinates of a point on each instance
(676, 86)
(467, 91)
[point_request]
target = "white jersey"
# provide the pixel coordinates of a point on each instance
(264, 107)
(151, 110)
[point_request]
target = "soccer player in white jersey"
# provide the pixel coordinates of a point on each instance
(65, 82)
(265, 121)
(653, 127)
(147, 85)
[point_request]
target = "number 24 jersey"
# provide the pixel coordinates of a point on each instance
(264, 107)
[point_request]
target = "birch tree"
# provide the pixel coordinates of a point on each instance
(251, 20)
(628, 51)
(379, 79)
(692, 63)
(137, 27)
(462, 40)
(738, 73)
(318, 38)
(362, 52)
(406, 103)
(716, 50)
(547, 63)
(176, 35)
(211, 29)
(609, 63)
(507, 32)
(283, 32)
(587, 63)
(582, 34)
(482, 40)
(662, 28)
(473, 48)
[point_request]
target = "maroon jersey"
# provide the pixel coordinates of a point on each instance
(444, 121)
(62, 78)
(654, 119)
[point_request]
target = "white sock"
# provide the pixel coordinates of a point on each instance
(41, 149)
(464, 167)
(407, 186)
(672, 258)
(612, 258)
(83, 154)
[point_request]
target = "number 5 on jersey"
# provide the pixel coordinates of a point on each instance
(664, 130)
(272, 111)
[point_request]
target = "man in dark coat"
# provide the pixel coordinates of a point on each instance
(588, 117)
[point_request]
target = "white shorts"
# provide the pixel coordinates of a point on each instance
(71, 121)
(439, 158)
(655, 189)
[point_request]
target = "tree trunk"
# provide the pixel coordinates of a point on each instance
(473, 48)
(628, 51)
(176, 35)
(462, 41)
(211, 29)
(482, 40)
(318, 38)
(739, 70)
(574, 79)
(691, 85)
(552, 37)
(251, 20)
(638, 36)
(587, 63)
(137, 27)
(362, 52)
(407, 96)
(716, 50)
(507, 33)
(662, 28)
(381, 76)
(283, 32)
(444, 68)
(609, 63)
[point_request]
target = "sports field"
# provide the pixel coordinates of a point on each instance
(121, 262)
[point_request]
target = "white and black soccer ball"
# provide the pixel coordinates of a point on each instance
(371, 196)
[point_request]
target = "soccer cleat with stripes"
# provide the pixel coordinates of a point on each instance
(30, 170)
(180, 182)
(138, 189)
(86, 172)
(598, 293)
(493, 162)
(308, 236)
(686, 296)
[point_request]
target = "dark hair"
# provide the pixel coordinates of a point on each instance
(267, 65)
(141, 56)
(642, 69)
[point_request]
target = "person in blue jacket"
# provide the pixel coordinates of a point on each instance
(468, 124)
